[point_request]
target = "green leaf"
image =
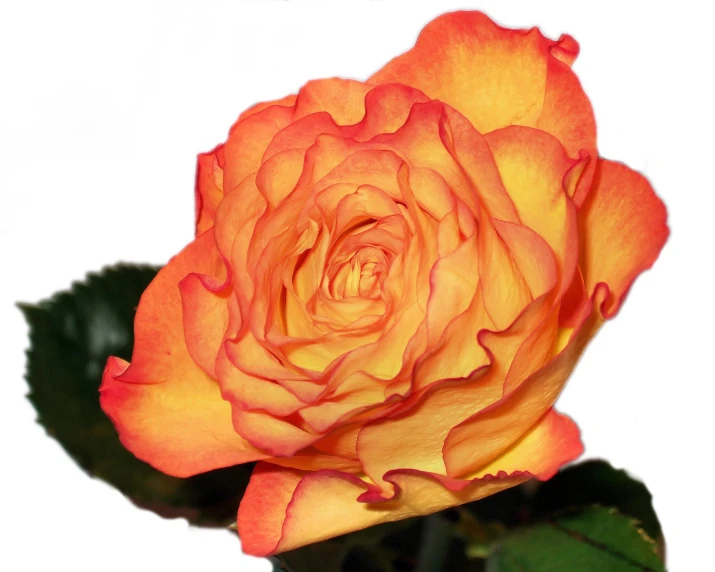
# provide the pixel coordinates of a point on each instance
(588, 540)
(597, 482)
(71, 336)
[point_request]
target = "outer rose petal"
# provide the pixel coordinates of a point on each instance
(414, 438)
(428, 140)
(491, 431)
(287, 101)
(343, 99)
(566, 113)
(313, 460)
(181, 427)
(551, 442)
(209, 188)
(506, 292)
(278, 511)
(623, 225)
(278, 437)
(498, 77)
(167, 410)
(533, 167)
(457, 353)
(248, 392)
(387, 108)
(247, 141)
(278, 175)
(531, 254)
(340, 101)
(205, 305)
(159, 345)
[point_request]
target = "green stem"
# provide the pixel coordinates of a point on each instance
(436, 539)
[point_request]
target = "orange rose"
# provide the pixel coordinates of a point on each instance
(390, 283)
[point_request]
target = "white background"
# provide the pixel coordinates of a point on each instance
(103, 107)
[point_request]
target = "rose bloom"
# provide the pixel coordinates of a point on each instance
(390, 283)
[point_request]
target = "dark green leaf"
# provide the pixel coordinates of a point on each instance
(596, 482)
(71, 336)
(592, 539)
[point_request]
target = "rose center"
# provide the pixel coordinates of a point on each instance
(357, 274)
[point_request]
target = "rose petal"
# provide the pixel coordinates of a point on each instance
(424, 421)
(573, 300)
(343, 99)
(313, 460)
(278, 511)
(533, 166)
(387, 107)
(205, 311)
(209, 188)
(551, 442)
(250, 392)
(159, 345)
(498, 77)
(567, 114)
(420, 142)
(167, 410)
(471, 151)
(181, 427)
(341, 441)
(279, 175)
(457, 353)
(623, 228)
(453, 285)
(362, 167)
(236, 218)
(358, 392)
(247, 142)
(506, 292)
(476, 441)
(287, 101)
(303, 133)
(276, 436)
(536, 350)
